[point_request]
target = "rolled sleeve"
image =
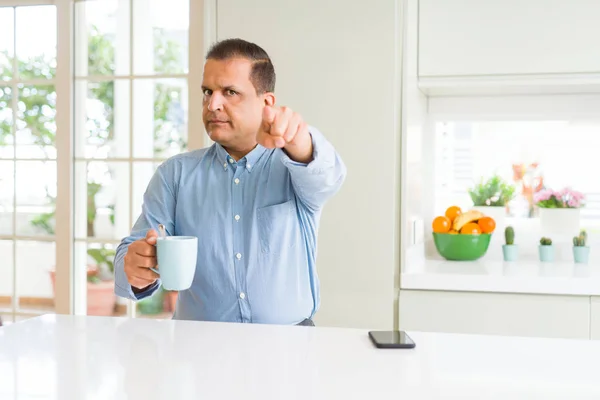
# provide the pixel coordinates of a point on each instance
(317, 181)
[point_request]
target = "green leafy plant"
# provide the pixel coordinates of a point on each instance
(581, 239)
(104, 260)
(494, 192)
(546, 241)
(509, 235)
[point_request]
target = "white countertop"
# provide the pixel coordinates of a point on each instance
(559, 278)
(76, 358)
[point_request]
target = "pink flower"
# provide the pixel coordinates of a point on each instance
(542, 195)
(573, 203)
(563, 198)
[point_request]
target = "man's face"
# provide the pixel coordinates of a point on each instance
(232, 110)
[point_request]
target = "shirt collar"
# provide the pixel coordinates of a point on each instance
(249, 159)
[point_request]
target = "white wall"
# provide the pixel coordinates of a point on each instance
(336, 65)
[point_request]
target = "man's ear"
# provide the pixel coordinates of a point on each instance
(269, 99)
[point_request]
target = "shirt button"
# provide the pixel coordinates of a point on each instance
(231, 161)
(242, 295)
(236, 180)
(238, 256)
(237, 217)
(248, 166)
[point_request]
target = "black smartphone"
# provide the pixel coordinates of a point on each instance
(391, 340)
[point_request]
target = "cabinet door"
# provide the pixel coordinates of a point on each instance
(495, 314)
(595, 317)
(499, 37)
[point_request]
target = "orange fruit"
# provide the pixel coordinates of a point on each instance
(487, 225)
(441, 224)
(471, 228)
(453, 232)
(453, 212)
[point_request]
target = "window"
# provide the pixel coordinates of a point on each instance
(131, 109)
(557, 154)
(528, 154)
(88, 110)
(28, 172)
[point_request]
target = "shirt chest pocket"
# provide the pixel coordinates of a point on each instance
(278, 227)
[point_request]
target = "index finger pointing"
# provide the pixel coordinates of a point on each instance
(269, 114)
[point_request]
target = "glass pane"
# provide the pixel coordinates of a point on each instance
(102, 121)
(102, 31)
(142, 173)
(36, 198)
(102, 200)
(100, 285)
(35, 275)
(160, 112)
(7, 268)
(7, 191)
(36, 123)
(36, 48)
(7, 42)
(161, 31)
(6, 122)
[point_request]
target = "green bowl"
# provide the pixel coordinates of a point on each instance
(457, 247)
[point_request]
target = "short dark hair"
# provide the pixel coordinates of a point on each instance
(262, 74)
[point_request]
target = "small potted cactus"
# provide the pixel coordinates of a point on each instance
(581, 251)
(546, 250)
(510, 249)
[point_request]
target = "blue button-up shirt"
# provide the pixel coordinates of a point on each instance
(256, 221)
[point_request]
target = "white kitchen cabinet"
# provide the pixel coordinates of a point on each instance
(595, 318)
(509, 314)
(459, 38)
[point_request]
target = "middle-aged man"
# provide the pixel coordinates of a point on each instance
(253, 199)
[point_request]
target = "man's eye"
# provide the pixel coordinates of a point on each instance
(231, 92)
(207, 92)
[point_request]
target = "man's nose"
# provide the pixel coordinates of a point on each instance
(215, 102)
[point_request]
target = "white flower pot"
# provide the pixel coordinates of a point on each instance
(561, 221)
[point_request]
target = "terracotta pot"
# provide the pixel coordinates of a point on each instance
(101, 298)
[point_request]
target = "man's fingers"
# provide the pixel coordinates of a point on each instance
(145, 262)
(145, 250)
(269, 114)
(292, 128)
(282, 120)
(274, 127)
(144, 273)
(268, 141)
(151, 237)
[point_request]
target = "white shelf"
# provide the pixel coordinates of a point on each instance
(560, 278)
